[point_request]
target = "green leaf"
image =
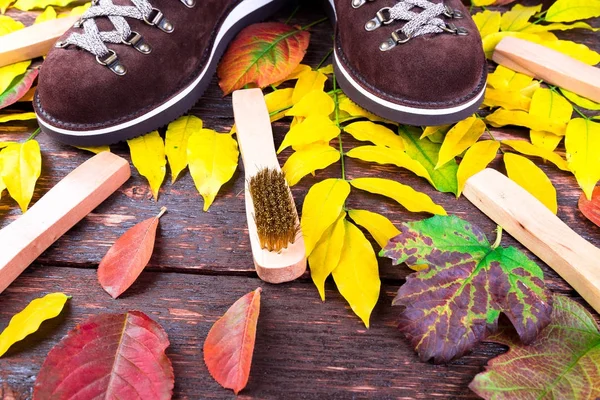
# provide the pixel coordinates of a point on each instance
(562, 363)
(18, 87)
(456, 302)
(427, 153)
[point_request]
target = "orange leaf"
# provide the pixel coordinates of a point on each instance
(230, 343)
(262, 54)
(128, 257)
(591, 208)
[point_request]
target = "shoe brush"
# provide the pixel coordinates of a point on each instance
(273, 225)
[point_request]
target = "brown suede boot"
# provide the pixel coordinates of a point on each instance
(132, 66)
(417, 62)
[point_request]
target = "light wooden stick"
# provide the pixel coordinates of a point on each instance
(33, 41)
(549, 65)
(59, 210)
(255, 136)
(538, 229)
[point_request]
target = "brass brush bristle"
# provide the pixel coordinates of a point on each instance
(274, 210)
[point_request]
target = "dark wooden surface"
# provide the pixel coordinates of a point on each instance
(202, 264)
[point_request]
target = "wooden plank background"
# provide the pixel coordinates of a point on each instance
(202, 263)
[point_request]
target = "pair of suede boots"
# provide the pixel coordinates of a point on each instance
(132, 66)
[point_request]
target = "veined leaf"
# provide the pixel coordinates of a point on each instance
(591, 208)
(463, 135)
(509, 100)
(548, 104)
(94, 149)
(29, 320)
(524, 147)
(508, 80)
(502, 117)
(405, 195)
(18, 87)
(295, 74)
(322, 206)
(357, 274)
(487, 22)
(427, 153)
(307, 82)
(22, 165)
(580, 101)
(309, 159)
(25, 116)
(316, 102)
(387, 155)
(176, 142)
(128, 257)
(531, 178)
(573, 10)
(375, 133)
(354, 110)
(545, 140)
(48, 14)
(436, 134)
(314, 129)
(26, 5)
(213, 159)
(476, 159)
(148, 157)
(326, 254)
(557, 27)
(120, 356)
(377, 225)
(583, 152)
(262, 54)
(229, 345)
(455, 303)
(518, 17)
(561, 363)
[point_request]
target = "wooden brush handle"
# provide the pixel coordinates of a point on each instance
(59, 210)
(537, 228)
(549, 65)
(33, 41)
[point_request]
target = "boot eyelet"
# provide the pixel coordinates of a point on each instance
(397, 37)
(359, 3)
(382, 17)
(111, 60)
(452, 13)
(157, 18)
(455, 30)
(189, 3)
(137, 42)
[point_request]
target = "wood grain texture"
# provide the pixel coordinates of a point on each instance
(202, 263)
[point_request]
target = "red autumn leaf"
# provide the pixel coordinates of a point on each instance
(591, 208)
(18, 88)
(128, 257)
(563, 363)
(262, 54)
(109, 356)
(230, 343)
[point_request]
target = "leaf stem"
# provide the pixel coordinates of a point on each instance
(161, 213)
(498, 237)
(337, 122)
(577, 110)
(325, 58)
(305, 27)
(34, 134)
(287, 21)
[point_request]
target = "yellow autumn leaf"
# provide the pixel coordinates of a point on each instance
(4, 5)
(48, 14)
(377, 225)
(531, 178)
(212, 159)
(582, 143)
(572, 10)
(314, 129)
(506, 79)
(518, 17)
(323, 204)
(22, 165)
(279, 100)
(295, 74)
(307, 160)
(8, 25)
(502, 117)
(375, 133)
(307, 82)
(481, 3)
(327, 70)
(354, 110)
(9, 72)
(558, 27)
(545, 140)
(26, 5)
(580, 101)
(487, 22)
(176, 141)
(476, 159)
(2, 185)
(148, 157)
(29, 320)
(357, 274)
(509, 100)
(4, 144)
(459, 138)
(405, 195)
(326, 254)
(17, 117)
(94, 149)
(437, 133)
(528, 149)
(386, 155)
(316, 102)
(79, 10)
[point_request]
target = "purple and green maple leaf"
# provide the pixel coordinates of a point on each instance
(455, 303)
